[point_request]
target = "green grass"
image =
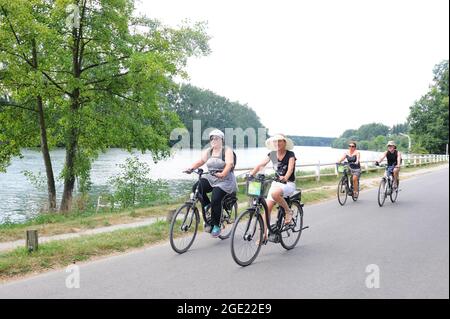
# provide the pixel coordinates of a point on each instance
(58, 254)
(62, 253)
(49, 224)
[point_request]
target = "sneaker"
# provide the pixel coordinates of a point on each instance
(215, 231)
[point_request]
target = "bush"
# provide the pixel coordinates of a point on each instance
(133, 187)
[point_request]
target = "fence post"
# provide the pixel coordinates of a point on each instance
(318, 171)
(32, 243)
(336, 170)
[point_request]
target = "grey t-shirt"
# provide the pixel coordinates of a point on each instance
(215, 163)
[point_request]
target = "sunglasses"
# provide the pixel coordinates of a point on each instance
(215, 138)
(352, 146)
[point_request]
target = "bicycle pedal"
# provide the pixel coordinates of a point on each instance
(273, 238)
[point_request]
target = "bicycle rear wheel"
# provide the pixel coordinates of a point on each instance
(247, 237)
(342, 191)
(229, 217)
(291, 235)
(183, 228)
(394, 194)
(382, 192)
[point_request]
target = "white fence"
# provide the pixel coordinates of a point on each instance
(408, 161)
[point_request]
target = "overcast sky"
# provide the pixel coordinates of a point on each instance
(316, 67)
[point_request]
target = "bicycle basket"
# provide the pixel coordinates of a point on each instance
(341, 168)
(254, 188)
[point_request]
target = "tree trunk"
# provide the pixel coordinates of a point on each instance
(72, 142)
(44, 143)
(47, 160)
(69, 167)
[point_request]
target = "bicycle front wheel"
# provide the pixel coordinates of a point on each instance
(183, 228)
(382, 192)
(342, 191)
(291, 235)
(247, 237)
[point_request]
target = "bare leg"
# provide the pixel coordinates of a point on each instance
(396, 177)
(270, 205)
(355, 185)
(277, 195)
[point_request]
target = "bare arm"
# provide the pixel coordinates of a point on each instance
(342, 158)
(200, 162)
(399, 159)
(229, 162)
(290, 170)
(260, 166)
(382, 157)
(358, 158)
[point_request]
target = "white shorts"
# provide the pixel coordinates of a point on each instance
(288, 189)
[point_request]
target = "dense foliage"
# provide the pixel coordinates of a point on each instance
(214, 111)
(429, 115)
(88, 74)
(373, 136)
(311, 140)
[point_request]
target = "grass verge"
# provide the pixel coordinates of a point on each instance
(55, 223)
(62, 253)
(58, 254)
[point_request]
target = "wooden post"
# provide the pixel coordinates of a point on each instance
(32, 243)
(169, 215)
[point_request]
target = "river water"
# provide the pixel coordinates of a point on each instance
(20, 200)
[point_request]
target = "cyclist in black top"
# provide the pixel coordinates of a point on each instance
(283, 160)
(394, 159)
(353, 158)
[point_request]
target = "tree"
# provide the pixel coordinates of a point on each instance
(429, 115)
(98, 76)
(192, 103)
(372, 130)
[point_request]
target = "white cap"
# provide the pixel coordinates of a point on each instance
(216, 133)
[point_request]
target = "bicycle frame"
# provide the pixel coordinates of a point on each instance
(196, 196)
(348, 177)
(258, 202)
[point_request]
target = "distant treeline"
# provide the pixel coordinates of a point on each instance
(311, 140)
(427, 123)
(214, 111)
(374, 137)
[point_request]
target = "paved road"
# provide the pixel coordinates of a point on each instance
(408, 241)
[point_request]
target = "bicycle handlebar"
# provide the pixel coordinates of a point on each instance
(263, 178)
(200, 172)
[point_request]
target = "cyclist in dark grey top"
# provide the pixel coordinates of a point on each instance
(353, 158)
(220, 159)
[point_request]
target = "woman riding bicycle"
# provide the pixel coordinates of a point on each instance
(220, 159)
(353, 158)
(283, 160)
(394, 159)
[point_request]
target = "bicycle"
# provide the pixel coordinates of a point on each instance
(386, 188)
(345, 186)
(248, 230)
(185, 221)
